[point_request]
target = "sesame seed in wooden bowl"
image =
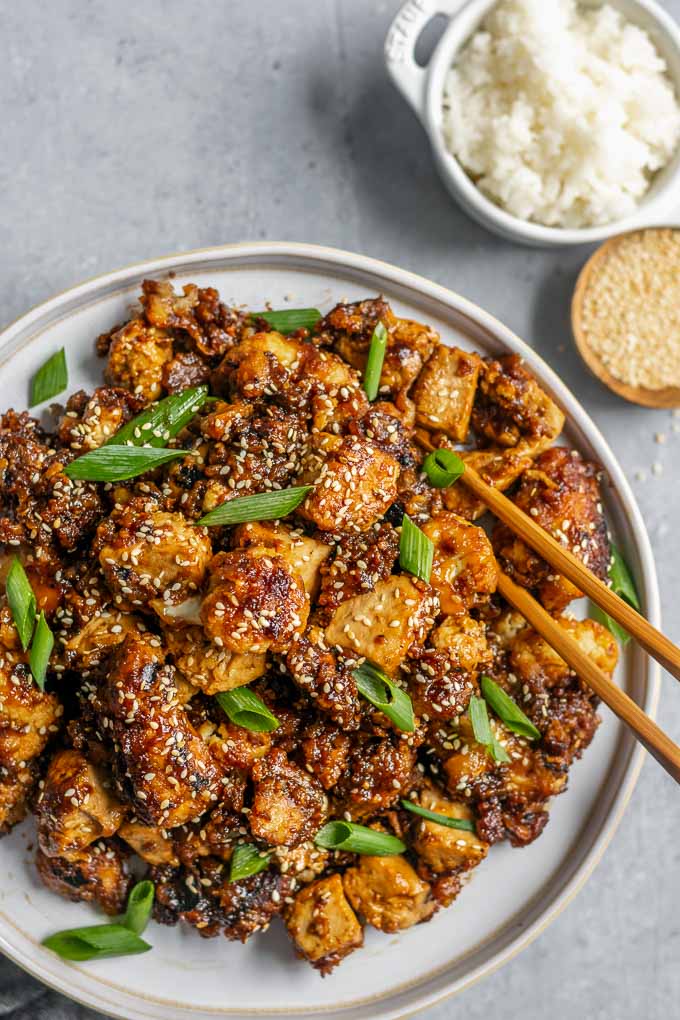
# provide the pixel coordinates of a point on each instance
(625, 315)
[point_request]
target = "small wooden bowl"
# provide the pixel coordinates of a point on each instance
(668, 396)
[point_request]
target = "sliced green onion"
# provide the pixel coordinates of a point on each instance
(288, 320)
(50, 379)
(41, 649)
(96, 942)
(246, 709)
(162, 421)
(623, 585)
(392, 700)
(507, 710)
(247, 860)
(118, 463)
(21, 602)
(264, 506)
(358, 839)
(443, 467)
(481, 727)
(139, 904)
(374, 362)
(434, 816)
(416, 551)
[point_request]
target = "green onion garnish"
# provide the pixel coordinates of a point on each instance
(623, 585)
(481, 727)
(287, 320)
(50, 379)
(41, 649)
(162, 421)
(247, 860)
(96, 942)
(358, 839)
(374, 362)
(434, 816)
(264, 506)
(118, 463)
(416, 551)
(385, 695)
(139, 904)
(443, 467)
(507, 710)
(21, 602)
(246, 709)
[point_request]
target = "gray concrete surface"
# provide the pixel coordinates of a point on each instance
(131, 130)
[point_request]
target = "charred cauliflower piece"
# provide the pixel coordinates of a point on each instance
(464, 571)
(137, 355)
(322, 924)
(323, 675)
(512, 410)
(207, 666)
(150, 557)
(387, 892)
(255, 601)
(289, 805)
(89, 422)
(163, 766)
(562, 494)
(443, 675)
(354, 488)
(445, 392)
(94, 874)
(384, 624)
(76, 806)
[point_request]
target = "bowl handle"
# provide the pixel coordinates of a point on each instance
(400, 44)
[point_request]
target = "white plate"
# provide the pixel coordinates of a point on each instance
(515, 893)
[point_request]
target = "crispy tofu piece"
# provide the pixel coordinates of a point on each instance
(95, 874)
(465, 641)
(305, 555)
(355, 486)
(89, 423)
(388, 893)
(289, 805)
(511, 409)
(28, 716)
(468, 763)
(89, 646)
(137, 356)
(464, 571)
(259, 364)
(499, 468)
(383, 624)
(322, 924)
(149, 842)
(207, 666)
(16, 788)
(445, 391)
(75, 806)
(443, 849)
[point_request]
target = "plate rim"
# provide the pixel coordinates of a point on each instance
(335, 258)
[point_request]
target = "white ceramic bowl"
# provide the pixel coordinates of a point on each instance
(423, 87)
(514, 894)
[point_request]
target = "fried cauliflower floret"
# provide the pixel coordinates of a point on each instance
(445, 391)
(76, 806)
(149, 842)
(323, 675)
(163, 766)
(150, 557)
(443, 675)
(262, 364)
(359, 563)
(90, 645)
(95, 874)
(384, 624)
(532, 658)
(325, 750)
(354, 488)
(511, 409)
(498, 468)
(322, 924)
(197, 312)
(253, 452)
(562, 494)
(16, 788)
(255, 602)
(137, 355)
(304, 555)
(387, 892)
(289, 805)
(89, 422)
(442, 849)
(207, 666)
(464, 571)
(379, 772)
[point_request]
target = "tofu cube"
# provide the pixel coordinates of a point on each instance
(443, 849)
(305, 555)
(388, 893)
(322, 924)
(445, 391)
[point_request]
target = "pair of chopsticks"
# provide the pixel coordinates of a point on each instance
(666, 752)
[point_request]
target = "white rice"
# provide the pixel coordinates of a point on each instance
(561, 114)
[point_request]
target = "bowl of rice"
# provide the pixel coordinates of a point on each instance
(552, 122)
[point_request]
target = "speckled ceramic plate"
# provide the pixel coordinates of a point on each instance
(514, 894)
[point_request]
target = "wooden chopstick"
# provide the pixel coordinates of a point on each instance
(564, 561)
(659, 745)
